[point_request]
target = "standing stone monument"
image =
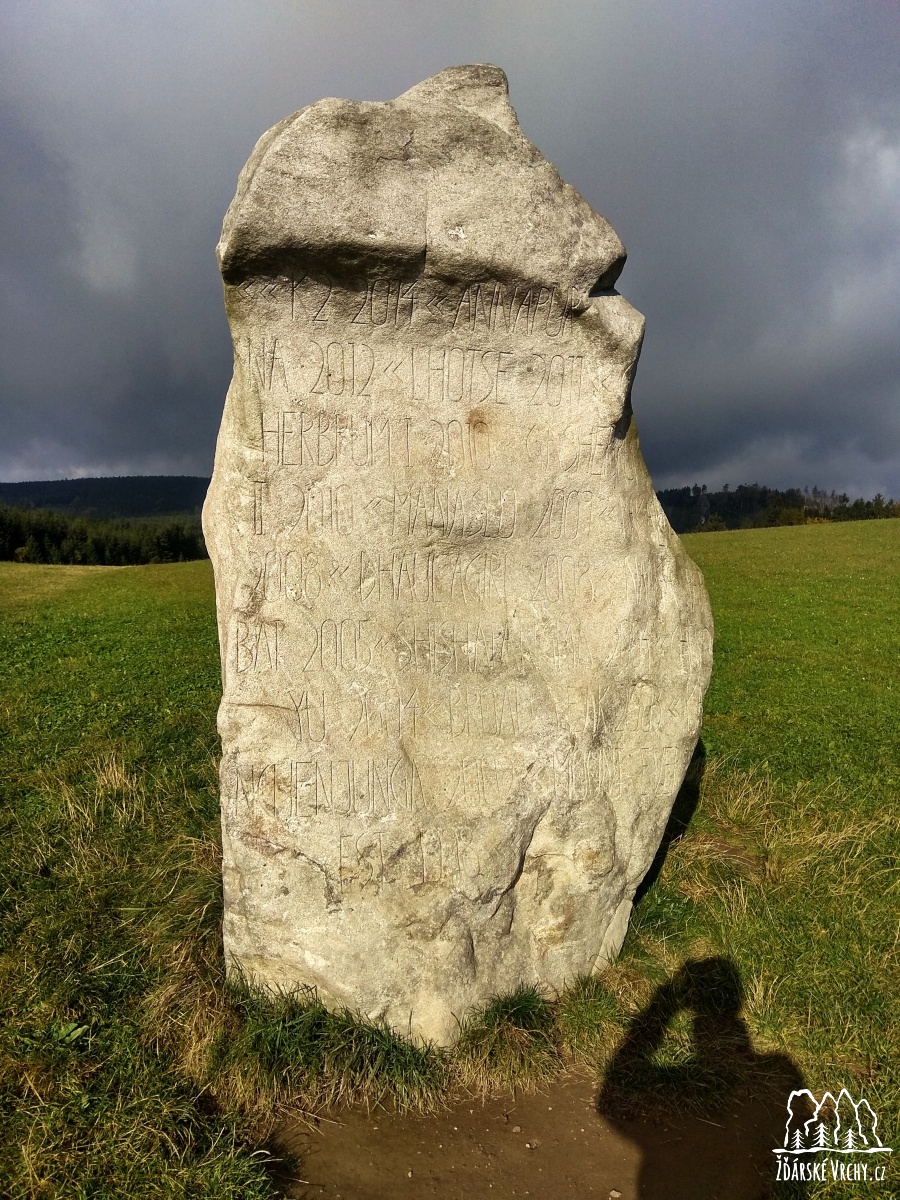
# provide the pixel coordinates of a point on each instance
(463, 654)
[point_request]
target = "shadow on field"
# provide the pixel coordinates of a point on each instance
(705, 1119)
(679, 818)
(687, 1111)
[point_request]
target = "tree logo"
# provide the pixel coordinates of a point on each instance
(834, 1125)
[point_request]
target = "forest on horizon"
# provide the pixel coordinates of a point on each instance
(127, 520)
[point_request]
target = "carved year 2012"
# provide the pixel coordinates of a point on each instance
(419, 371)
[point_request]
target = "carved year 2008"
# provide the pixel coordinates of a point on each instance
(421, 576)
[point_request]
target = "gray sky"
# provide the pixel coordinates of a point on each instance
(746, 151)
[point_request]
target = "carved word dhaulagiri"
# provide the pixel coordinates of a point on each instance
(463, 654)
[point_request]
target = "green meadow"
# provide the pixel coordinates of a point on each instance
(129, 1068)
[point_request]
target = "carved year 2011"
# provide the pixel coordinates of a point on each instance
(493, 308)
(419, 371)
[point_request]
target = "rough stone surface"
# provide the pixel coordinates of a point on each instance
(463, 654)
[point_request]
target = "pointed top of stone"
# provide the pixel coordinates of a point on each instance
(440, 182)
(481, 88)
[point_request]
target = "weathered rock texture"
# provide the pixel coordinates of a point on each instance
(463, 654)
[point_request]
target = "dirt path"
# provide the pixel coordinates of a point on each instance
(551, 1146)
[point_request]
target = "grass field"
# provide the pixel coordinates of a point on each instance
(127, 1068)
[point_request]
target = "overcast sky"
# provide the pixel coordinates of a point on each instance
(746, 151)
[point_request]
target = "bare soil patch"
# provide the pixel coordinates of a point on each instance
(551, 1145)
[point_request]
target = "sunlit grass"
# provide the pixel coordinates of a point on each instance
(806, 684)
(129, 1067)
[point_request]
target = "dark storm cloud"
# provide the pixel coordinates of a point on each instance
(747, 154)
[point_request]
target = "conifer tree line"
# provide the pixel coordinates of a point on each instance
(752, 506)
(47, 535)
(42, 535)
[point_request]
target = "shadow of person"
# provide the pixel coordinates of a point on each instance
(688, 1088)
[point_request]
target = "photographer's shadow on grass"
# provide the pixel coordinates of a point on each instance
(688, 1088)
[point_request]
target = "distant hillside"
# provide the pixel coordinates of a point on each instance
(752, 506)
(110, 499)
(688, 508)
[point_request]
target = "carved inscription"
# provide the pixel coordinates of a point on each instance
(487, 512)
(341, 369)
(313, 438)
(385, 514)
(310, 438)
(455, 375)
(430, 856)
(384, 788)
(380, 787)
(442, 648)
(568, 514)
(323, 510)
(521, 310)
(370, 577)
(577, 447)
(467, 577)
(258, 645)
(455, 711)
(321, 716)
(369, 786)
(453, 647)
(343, 644)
